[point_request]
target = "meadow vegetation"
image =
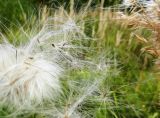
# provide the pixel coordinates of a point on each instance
(106, 59)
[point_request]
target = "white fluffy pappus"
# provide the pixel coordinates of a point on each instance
(26, 80)
(28, 75)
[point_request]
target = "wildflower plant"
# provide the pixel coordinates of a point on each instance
(32, 74)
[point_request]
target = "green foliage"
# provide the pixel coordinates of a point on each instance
(135, 89)
(14, 12)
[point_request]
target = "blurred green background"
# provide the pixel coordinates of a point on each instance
(17, 11)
